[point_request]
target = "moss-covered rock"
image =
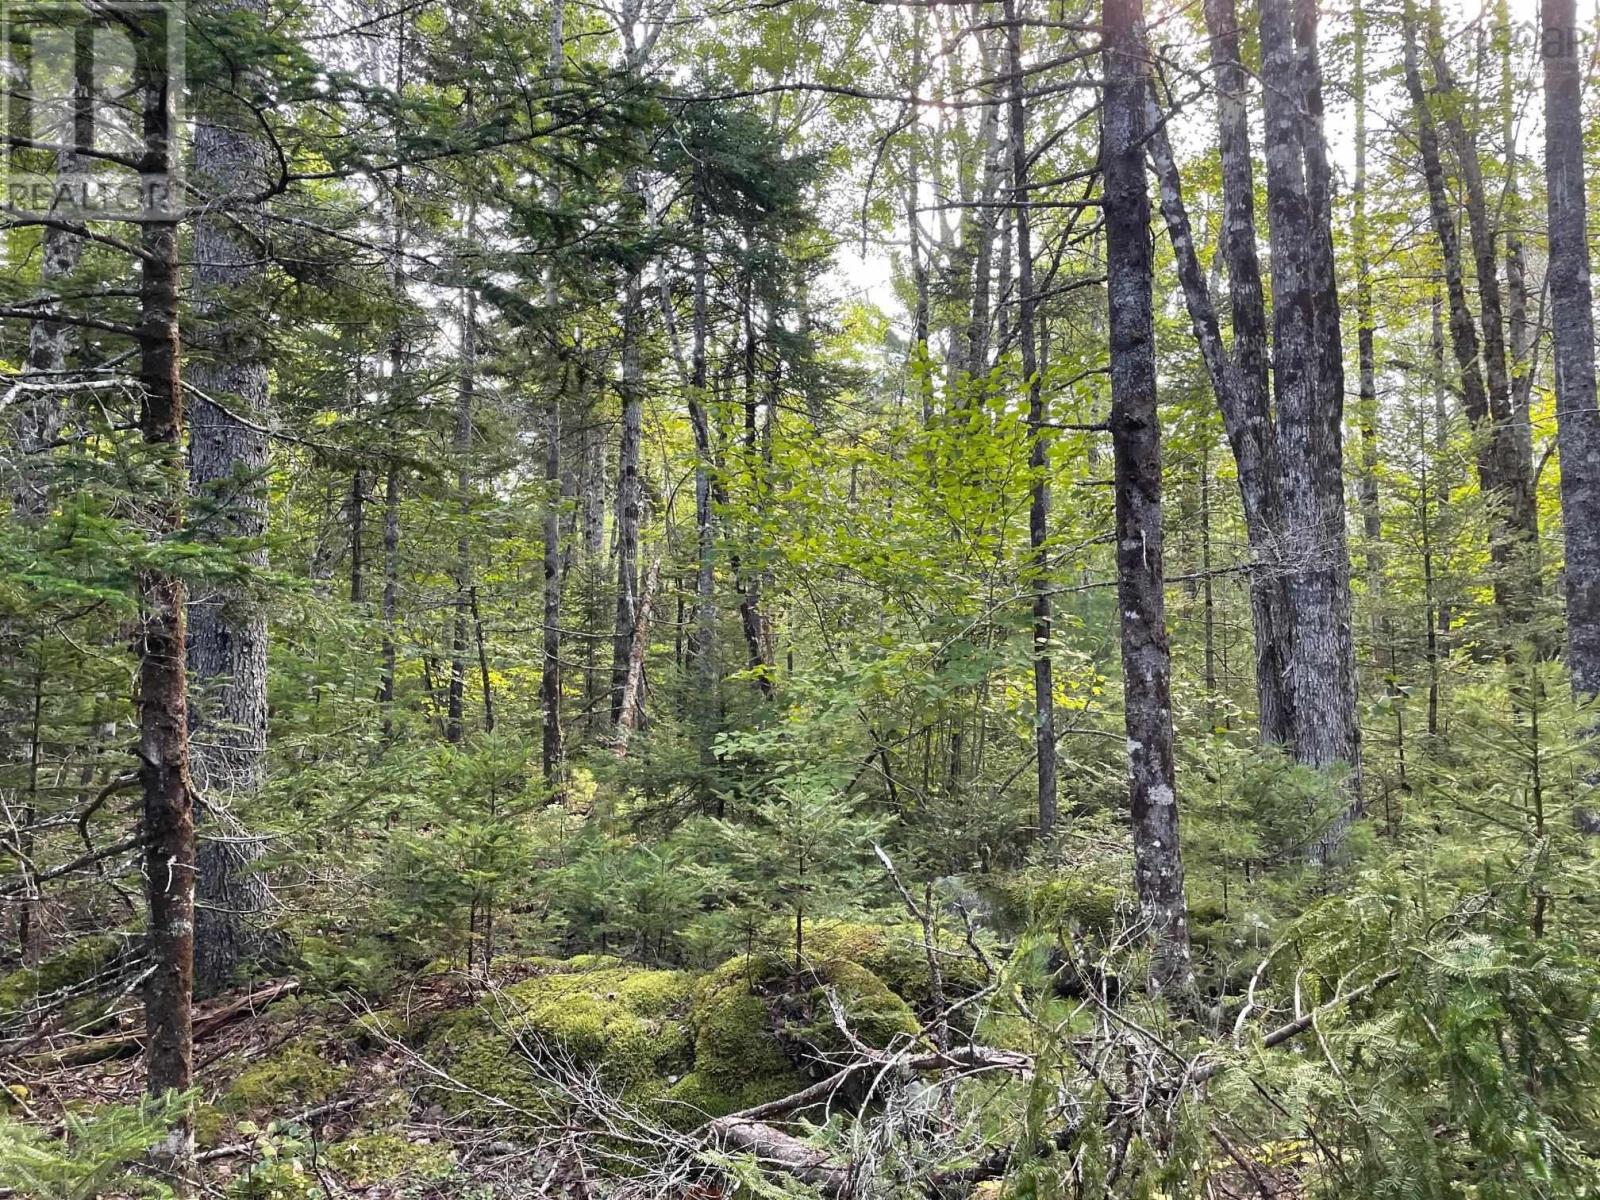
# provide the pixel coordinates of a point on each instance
(759, 1025)
(77, 963)
(376, 1029)
(874, 1014)
(1075, 904)
(387, 1157)
(897, 956)
(297, 1076)
(628, 1022)
(738, 1057)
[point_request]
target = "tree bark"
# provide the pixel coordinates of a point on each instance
(1507, 487)
(1044, 713)
(1246, 411)
(982, 229)
(1136, 445)
(162, 699)
(554, 572)
(228, 463)
(1308, 383)
(702, 641)
(1366, 352)
(1571, 305)
(629, 491)
(391, 587)
(1510, 439)
(455, 711)
(631, 717)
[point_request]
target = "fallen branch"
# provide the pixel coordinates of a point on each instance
(780, 1151)
(97, 1049)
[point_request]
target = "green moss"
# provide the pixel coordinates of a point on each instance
(209, 1122)
(876, 1015)
(754, 1018)
(694, 1099)
(378, 1028)
(1075, 904)
(592, 962)
(491, 1073)
(374, 1158)
(77, 963)
(297, 1076)
(896, 955)
(735, 1045)
(629, 1022)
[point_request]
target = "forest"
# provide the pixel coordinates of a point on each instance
(854, 599)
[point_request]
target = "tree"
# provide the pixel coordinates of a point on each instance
(1136, 444)
(163, 746)
(228, 463)
(1039, 452)
(1504, 474)
(1572, 322)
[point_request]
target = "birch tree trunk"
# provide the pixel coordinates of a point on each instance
(1571, 303)
(629, 491)
(1136, 443)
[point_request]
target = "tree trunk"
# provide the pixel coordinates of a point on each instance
(228, 462)
(1494, 443)
(1307, 381)
(554, 571)
(1246, 411)
(1136, 447)
(391, 586)
(1510, 441)
(1571, 303)
(37, 422)
(358, 532)
(1366, 352)
(397, 360)
(162, 701)
(629, 491)
(455, 712)
(1044, 718)
(982, 226)
(702, 641)
(631, 717)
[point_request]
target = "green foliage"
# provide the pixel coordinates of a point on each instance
(801, 851)
(96, 1155)
(445, 881)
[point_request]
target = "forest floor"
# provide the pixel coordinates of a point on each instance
(301, 1092)
(550, 1076)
